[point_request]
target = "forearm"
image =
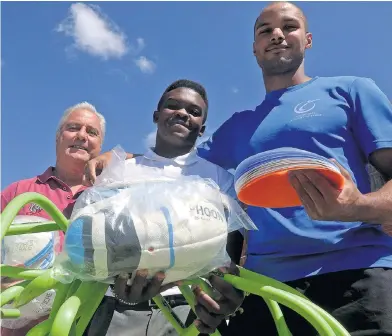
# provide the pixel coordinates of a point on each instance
(108, 155)
(376, 207)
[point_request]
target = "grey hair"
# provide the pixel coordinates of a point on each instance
(85, 106)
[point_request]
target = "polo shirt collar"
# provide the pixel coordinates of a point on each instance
(46, 175)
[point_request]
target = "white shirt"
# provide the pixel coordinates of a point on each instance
(188, 164)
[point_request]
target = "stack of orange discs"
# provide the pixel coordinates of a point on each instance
(262, 179)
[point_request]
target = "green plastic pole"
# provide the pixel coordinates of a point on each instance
(20, 201)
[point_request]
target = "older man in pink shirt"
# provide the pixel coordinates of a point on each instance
(79, 138)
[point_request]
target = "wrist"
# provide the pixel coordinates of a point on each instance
(367, 210)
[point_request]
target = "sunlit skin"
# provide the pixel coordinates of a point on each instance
(179, 121)
(79, 140)
(280, 41)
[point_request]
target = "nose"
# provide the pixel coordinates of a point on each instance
(82, 134)
(277, 36)
(182, 113)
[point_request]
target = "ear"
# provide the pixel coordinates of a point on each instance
(202, 130)
(309, 40)
(254, 49)
(155, 117)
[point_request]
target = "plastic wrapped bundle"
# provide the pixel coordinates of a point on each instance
(152, 221)
(36, 251)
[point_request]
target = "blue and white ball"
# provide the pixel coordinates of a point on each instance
(37, 251)
(177, 228)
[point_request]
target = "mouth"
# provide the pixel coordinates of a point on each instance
(78, 147)
(181, 123)
(277, 48)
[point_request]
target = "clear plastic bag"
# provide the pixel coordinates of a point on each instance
(36, 251)
(138, 217)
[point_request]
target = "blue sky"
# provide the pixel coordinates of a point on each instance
(56, 54)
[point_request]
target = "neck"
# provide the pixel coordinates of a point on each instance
(170, 151)
(284, 81)
(70, 175)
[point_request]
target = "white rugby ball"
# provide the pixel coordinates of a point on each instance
(179, 228)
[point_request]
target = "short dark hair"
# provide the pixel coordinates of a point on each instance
(188, 84)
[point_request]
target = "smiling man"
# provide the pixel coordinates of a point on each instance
(180, 118)
(337, 248)
(79, 138)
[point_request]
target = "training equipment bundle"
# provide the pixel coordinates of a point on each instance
(262, 179)
(149, 220)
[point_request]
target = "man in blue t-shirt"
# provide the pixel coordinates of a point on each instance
(336, 249)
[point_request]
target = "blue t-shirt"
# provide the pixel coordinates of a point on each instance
(346, 118)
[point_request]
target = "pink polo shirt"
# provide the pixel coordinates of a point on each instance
(59, 193)
(45, 184)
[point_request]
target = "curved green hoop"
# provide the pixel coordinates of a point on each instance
(75, 303)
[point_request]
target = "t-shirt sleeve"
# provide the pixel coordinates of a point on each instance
(8, 194)
(372, 116)
(218, 149)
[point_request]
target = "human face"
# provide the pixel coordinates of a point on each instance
(181, 117)
(280, 39)
(80, 136)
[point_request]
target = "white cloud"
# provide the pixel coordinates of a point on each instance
(149, 140)
(94, 33)
(145, 65)
(234, 90)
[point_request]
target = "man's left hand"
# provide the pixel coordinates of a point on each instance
(211, 312)
(322, 200)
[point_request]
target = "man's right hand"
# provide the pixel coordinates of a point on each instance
(94, 168)
(142, 289)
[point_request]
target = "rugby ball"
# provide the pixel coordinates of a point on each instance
(162, 227)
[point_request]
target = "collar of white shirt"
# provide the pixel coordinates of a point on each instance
(183, 160)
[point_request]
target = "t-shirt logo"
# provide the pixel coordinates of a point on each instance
(305, 107)
(34, 208)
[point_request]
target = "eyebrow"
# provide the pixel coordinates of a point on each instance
(73, 123)
(188, 103)
(259, 24)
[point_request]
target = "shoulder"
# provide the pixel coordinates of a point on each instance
(244, 115)
(239, 116)
(16, 188)
(18, 184)
(222, 177)
(347, 83)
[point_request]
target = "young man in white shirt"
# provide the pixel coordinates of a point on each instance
(180, 117)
